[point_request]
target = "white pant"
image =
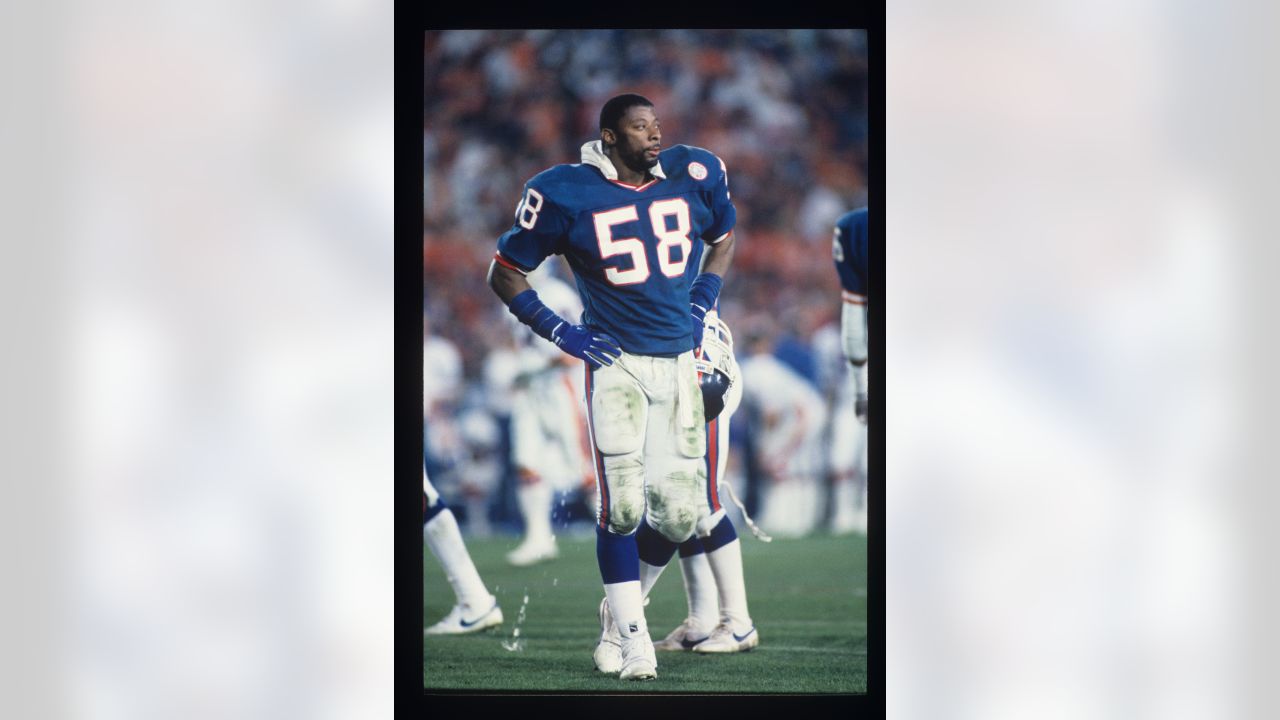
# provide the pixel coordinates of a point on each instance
(548, 429)
(647, 429)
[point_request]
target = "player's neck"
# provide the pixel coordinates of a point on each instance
(626, 174)
(631, 177)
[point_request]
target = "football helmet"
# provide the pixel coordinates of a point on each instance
(718, 373)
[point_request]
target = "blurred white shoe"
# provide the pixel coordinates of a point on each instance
(608, 652)
(457, 622)
(724, 640)
(531, 552)
(684, 637)
(848, 521)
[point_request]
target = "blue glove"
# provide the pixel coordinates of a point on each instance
(702, 297)
(596, 348)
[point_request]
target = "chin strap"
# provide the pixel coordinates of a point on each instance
(760, 534)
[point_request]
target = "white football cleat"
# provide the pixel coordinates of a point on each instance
(724, 640)
(684, 637)
(608, 653)
(532, 552)
(456, 622)
(638, 660)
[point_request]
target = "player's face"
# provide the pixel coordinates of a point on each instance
(639, 138)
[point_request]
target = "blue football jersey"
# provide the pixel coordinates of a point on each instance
(849, 250)
(631, 248)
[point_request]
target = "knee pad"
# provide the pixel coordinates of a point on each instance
(623, 500)
(675, 504)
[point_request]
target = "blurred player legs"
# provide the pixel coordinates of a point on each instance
(789, 440)
(549, 448)
(474, 607)
(848, 458)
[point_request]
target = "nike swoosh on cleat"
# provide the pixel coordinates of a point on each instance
(744, 637)
(689, 645)
(466, 624)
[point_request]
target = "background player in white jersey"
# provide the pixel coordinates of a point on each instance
(626, 219)
(550, 448)
(791, 415)
(474, 608)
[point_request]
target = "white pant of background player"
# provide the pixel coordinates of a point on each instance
(788, 438)
(550, 450)
(847, 446)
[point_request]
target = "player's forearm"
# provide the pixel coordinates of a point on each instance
(719, 256)
(507, 283)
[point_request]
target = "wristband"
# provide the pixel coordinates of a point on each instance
(531, 311)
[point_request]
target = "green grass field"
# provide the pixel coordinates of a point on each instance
(808, 599)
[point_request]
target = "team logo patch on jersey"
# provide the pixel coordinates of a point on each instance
(697, 171)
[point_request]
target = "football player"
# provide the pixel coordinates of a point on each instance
(626, 219)
(474, 608)
(549, 442)
(849, 252)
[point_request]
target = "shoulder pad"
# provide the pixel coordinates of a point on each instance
(852, 218)
(559, 184)
(682, 158)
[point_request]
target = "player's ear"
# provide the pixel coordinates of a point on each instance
(607, 138)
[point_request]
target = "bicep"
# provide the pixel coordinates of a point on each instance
(719, 256)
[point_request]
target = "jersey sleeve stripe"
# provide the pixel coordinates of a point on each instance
(508, 264)
(713, 465)
(720, 239)
(852, 297)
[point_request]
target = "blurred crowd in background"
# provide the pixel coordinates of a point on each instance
(785, 109)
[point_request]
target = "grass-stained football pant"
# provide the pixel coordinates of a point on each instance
(649, 440)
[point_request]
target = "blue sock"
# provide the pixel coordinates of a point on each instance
(721, 535)
(652, 546)
(691, 547)
(617, 555)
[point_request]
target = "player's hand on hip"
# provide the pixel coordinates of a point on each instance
(597, 348)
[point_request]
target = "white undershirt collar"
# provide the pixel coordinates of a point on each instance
(593, 154)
